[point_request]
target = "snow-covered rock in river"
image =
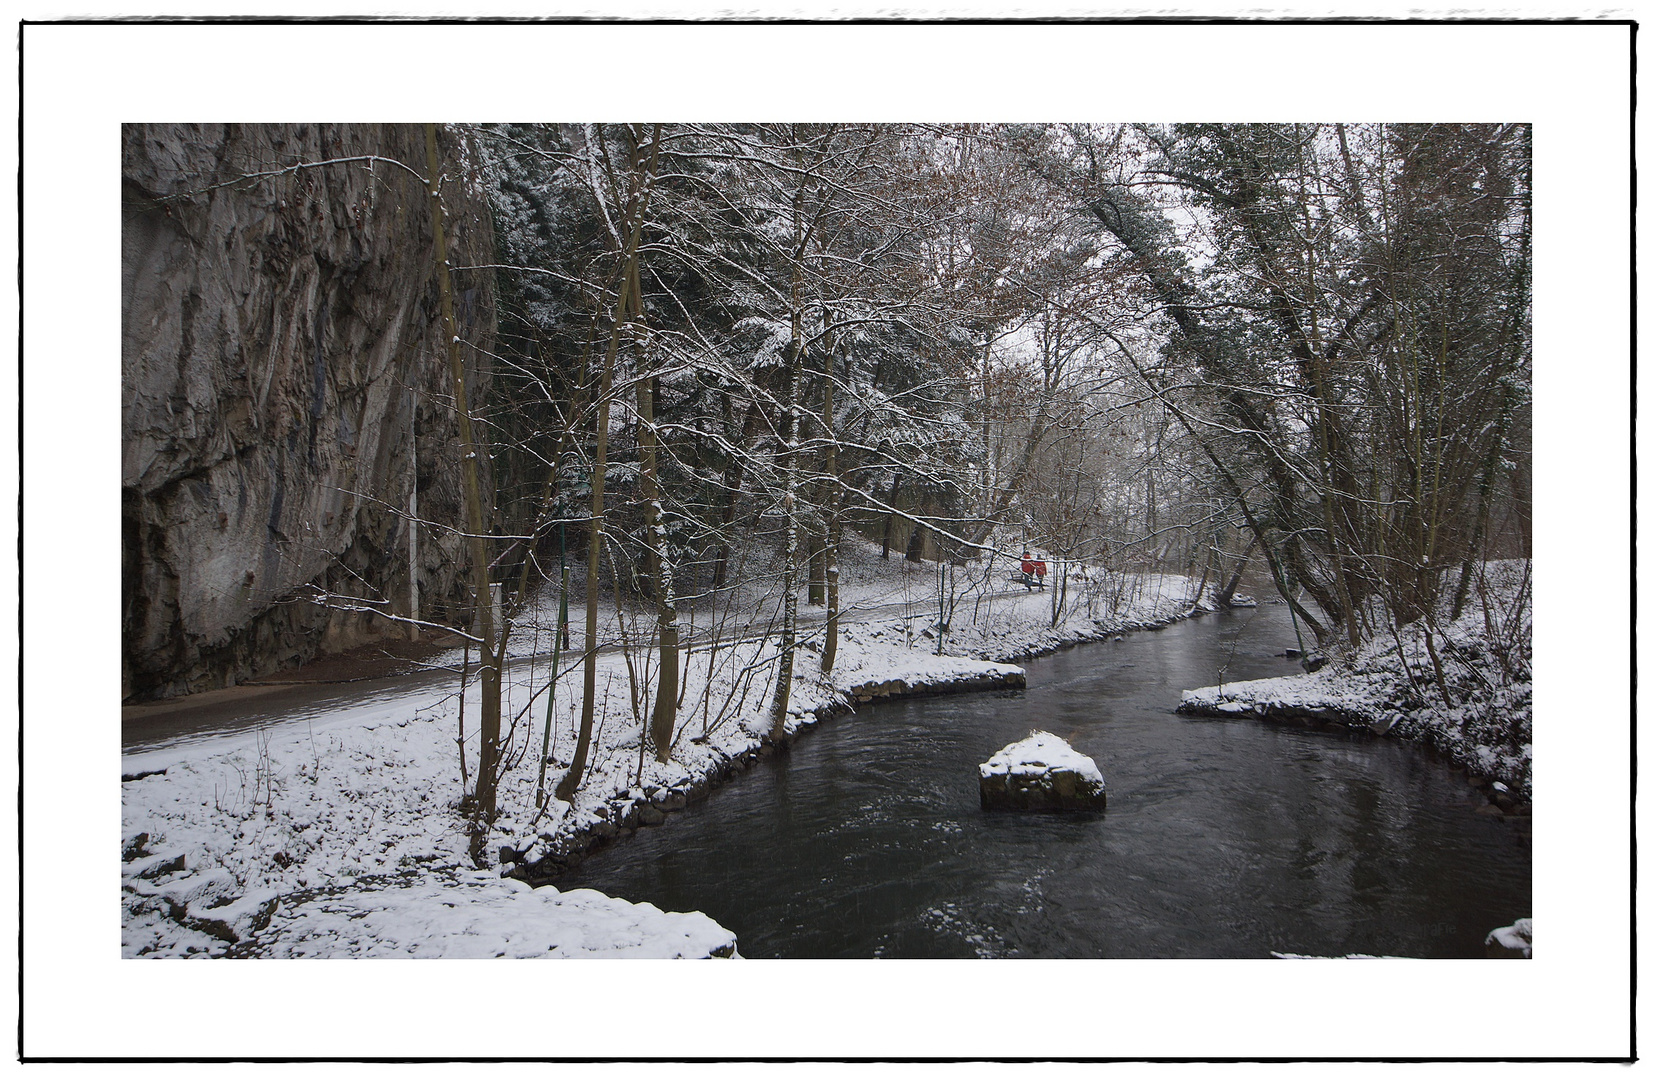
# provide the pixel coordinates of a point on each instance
(1041, 772)
(1514, 942)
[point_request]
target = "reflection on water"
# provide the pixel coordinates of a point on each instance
(1222, 837)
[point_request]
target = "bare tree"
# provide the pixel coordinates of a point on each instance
(627, 308)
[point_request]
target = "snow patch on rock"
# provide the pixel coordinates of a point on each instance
(1040, 753)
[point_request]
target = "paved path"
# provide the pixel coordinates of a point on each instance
(335, 689)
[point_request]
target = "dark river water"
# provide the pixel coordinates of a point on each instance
(1222, 837)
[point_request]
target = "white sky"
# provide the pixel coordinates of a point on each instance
(83, 81)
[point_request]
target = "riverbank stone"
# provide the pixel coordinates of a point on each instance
(1041, 772)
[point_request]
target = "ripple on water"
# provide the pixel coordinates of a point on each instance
(949, 921)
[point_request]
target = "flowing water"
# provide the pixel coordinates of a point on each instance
(1222, 837)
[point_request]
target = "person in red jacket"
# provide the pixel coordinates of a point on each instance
(1040, 572)
(1028, 571)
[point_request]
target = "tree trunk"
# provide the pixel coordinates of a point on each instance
(1206, 572)
(817, 595)
(890, 515)
(830, 571)
(624, 303)
(489, 735)
(916, 543)
(790, 562)
(559, 642)
(658, 564)
(413, 516)
(1227, 593)
(732, 490)
(570, 783)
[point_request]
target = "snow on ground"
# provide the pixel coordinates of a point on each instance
(1333, 694)
(480, 915)
(344, 837)
(1484, 722)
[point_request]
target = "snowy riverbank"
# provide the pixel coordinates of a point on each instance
(345, 838)
(1479, 714)
(346, 841)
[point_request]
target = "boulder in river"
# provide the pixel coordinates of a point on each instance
(1041, 772)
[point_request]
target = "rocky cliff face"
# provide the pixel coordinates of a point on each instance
(282, 359)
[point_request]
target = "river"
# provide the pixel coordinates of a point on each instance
(1222, 838)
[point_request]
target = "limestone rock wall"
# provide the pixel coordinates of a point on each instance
(282, 357)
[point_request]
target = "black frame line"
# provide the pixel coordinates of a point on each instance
(1146, 20)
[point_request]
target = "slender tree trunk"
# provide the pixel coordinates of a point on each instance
(916, 536)
(830, 644)
(557, 653)
(1206, 572)
(790, 500)
(890, 515)
(1227, 593)
(817, 595)
(732, 491)
(489, 734)
(659, 565)
(624, 303)
(413, 516)
(1436, 665)
(942, 601)
(1490, 467)
(459, 739)
(570, 783)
